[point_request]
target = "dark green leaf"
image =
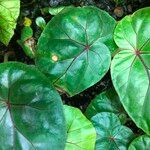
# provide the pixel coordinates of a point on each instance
(107, 101)
(130, 68)
(31, 114)
(80, 131)
(140, 143)
(111, 135)
(73, 50)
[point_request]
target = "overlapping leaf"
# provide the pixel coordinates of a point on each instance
(130, 68)
(9, 12)
(31, 114)
(111, 135)
(80, 131)
(107, 101)
(140, 143)
(74, 49)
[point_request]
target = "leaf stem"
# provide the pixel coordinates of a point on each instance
(7, 55)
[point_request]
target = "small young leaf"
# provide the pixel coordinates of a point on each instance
(130, 69)
(80, 131)
(9, 12)
(26, 33)
(140, 143)
(31, 114)
(111, 135)
(81, 40)
(27, 42)
(107, 101)
(55, 10)
(41, 22)
(27, 22)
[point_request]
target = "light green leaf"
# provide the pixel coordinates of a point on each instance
(81, 134)
(9, 12)
(111, 135)
(56, 10)
(140, 143)
(27, 42)
(130, 69)
(40, 22)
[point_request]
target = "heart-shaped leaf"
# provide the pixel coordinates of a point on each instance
(80, 131)
(31, 114)
(140, 143)
(111, 135)
(130, 68)
(9, 12)
(107, 101)
(73, 50)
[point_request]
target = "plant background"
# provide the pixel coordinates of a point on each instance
(32, 9)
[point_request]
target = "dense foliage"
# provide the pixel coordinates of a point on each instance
(72, 52)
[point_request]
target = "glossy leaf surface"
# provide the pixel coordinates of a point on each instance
(130, 68)
(107, 101)
(111, 135)
(31, 114)
(73, 50)
(80, 131)
(140, 143)
(9, 12)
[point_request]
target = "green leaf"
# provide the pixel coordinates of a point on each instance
(107, 101)
(140, 143)
(55, 10)
(26, 33)
(130, 69)
(9, 12)
(27, 42)
(73, 50)
(31, 112)
(111, 135)
(40, 22)
(80, 131)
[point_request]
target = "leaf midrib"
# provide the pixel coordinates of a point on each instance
(84, 45)
(13, 123)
